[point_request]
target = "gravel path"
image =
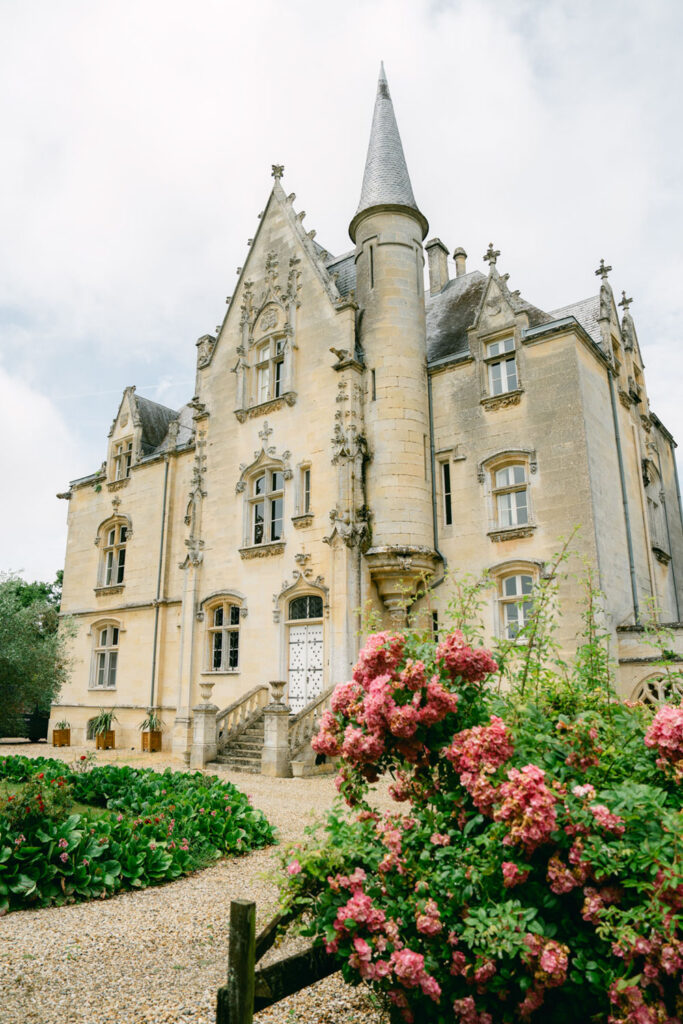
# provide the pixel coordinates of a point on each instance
(160, 955)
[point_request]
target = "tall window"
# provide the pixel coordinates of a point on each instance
(309, 606)
(114, 555)
(515, 603)
(510, 496)
(269, 363)
(447, 494)
(106, 657)
(502, 366)
(267, 503)
(224, 637)
(123, 456)
(305, 492)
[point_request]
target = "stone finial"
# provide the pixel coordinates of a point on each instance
(277, 171)
(460, 257)
(266, 432)
(625, 302)
(491, 255)
(602, 270)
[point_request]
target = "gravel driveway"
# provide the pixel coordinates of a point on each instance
(159, 955)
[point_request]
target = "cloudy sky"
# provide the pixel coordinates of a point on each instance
(137, 138)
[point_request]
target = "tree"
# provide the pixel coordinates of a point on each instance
(33, 660)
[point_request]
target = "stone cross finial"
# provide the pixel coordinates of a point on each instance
(266, 432)
(491, 255)
(277, 171)
(602, 270)
(625, 302)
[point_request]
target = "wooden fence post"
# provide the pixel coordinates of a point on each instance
(236, 999)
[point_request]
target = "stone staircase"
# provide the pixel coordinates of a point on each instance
(244, 753)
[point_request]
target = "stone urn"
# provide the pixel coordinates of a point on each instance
(206, 689)
(277, 688)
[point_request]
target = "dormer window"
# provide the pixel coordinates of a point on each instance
(267, 507)
(269, 370)
(502, 366)
(123, 457)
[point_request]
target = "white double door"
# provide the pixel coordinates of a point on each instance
(305, 665)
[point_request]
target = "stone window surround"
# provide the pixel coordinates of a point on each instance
(504, 570)
(115, 521)
(486, 471)
(226, 599)
(94, 632)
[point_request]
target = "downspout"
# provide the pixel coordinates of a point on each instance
(158, 595)
(666, 523)
(624, 497)
(435, 523)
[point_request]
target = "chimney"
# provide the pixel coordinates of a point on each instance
(460, 257)
(437, 254)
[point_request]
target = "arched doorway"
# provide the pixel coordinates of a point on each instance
(305, 649)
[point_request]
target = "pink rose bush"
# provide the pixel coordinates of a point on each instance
(533, 867)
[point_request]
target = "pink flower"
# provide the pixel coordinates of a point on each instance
(440, 839)
(610, 822)
(464, 662)
(346, 698)
(62, 844)
(666, 733)
(513, 875)
(381, 654)
(294, 868)
(327, 740)
(528, 808)
(64, 857)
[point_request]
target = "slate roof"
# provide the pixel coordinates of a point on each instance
(345, 267)
(154, 419)
(586, 312)
(450, 313)
(386, 180)
(185, 432)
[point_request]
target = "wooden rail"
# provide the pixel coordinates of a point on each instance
(248, 990)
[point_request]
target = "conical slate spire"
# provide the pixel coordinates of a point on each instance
(386, 181)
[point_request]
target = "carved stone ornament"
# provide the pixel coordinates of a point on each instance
(511, 533)
(301, 522)
(263, 550)
(625, 399)
(106, 591)
(493, 402)
(116, 485)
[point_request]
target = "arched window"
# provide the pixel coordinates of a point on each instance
(659, 689)
(266, 507)
(515, 582)
(224, 636)
(510, 495)
(105, 655)
(112, 539)
(308, 606)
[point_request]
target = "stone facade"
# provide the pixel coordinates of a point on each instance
(353, 433)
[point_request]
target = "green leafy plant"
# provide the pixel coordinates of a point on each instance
(121, 828)
(151, 723)
(63, 724)
(102, 722)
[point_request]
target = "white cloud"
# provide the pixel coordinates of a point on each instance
(138, 139)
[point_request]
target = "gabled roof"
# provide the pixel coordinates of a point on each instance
(586, 312)
(386, 181)
(345, 269)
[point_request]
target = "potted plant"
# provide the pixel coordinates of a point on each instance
(61, 734)
(101, 728)
(151, 727)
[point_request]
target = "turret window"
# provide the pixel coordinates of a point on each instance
(502, 366)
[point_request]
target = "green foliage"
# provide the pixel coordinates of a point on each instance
(144, 827)
(151, 722)
(33, 660)
(102, 722)
(533, 865)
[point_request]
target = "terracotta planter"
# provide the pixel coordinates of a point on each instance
(105, 740)
(151, 741)
(61, 737)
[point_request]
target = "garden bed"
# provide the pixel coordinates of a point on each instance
(69, 834)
